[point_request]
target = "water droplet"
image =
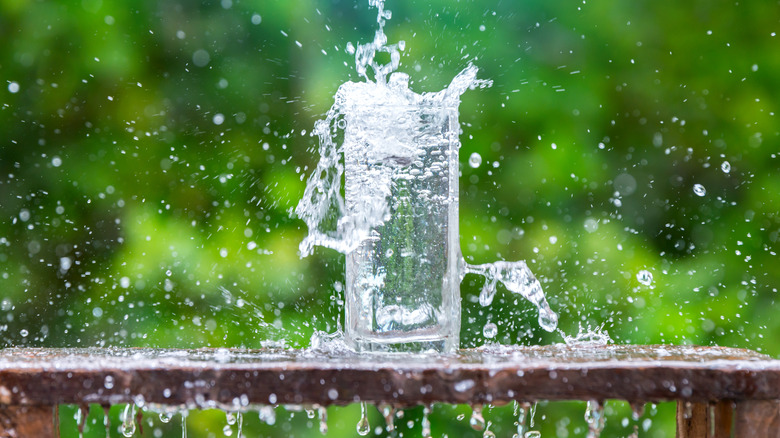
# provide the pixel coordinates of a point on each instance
(475, 160)
(218, 119)
(594, 416)
(230, 418)
(725, 167)
(165, 417)
(350, 48)
(13, 87)
(533, 434)
(645, 277)
(108, 382)
(184, 424)
(81, 419)
(490, 330)
(699, 190)
(389, 413)
(363, 427)
(201, 58)
(323, 419)
(637, 410)
(227, 431)
(426, 422)
(257, 19)
(477, 421)
(267, 415)
(128, 420)
(521, 410)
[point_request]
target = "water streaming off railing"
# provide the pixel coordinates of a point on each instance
(572, 419)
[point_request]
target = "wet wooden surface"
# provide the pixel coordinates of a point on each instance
(235, 378)
(706, 420)
(27, 421)
(757, 418)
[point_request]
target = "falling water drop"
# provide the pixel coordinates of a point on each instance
(166, 417)
(389, 413)
(645, 277)
(227, 430)
(426, 422)
(637, 410)
(128, 420)
(230, 418)
(81, 419)
(725, 167)
(488, 433)
(699, 190)
(267, 415)
(363, 427)
(107, 421)
(477, 421)
(521, 410)
(594, 416)
(323, 419)
(184, 424)
(240, 419)
(532, 434)
(475, 160)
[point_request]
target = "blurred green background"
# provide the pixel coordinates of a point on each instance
(151, 153)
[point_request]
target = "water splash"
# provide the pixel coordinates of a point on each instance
(517, 278)
(588, 336)
(374, 139)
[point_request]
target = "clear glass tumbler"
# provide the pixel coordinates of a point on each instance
(403, 280)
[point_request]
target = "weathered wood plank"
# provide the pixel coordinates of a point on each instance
(757, 419)
(26, 421)
(230, 378)
(721, 419)
(692, 420)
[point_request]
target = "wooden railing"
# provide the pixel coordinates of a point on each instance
(721, 392)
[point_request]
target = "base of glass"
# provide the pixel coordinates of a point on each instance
(395, 345)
